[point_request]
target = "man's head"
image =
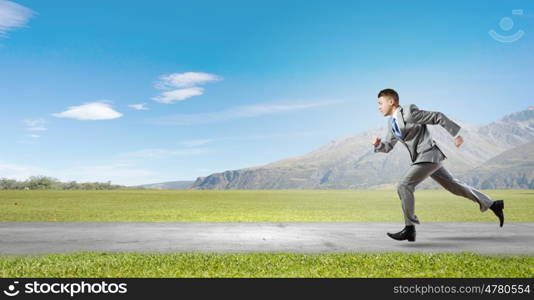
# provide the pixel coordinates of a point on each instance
(388, 101)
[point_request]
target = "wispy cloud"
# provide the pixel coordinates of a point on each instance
(238, 112)
(174, 96)
(160, 153)
(13, 15)
(181, 86)
(141, 106)
(90, 111)
(187, 79)
(35, 125)
(196, 142)
(202, 142)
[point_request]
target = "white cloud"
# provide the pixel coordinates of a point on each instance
(13, 15)
(35, 125)
(238, 112)
(173, 96)
(188, 79)
(90, 111)
(139, 106)
(181, 86)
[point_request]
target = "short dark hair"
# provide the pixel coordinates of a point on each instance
(389, 93)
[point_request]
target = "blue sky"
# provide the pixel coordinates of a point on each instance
(149, 91)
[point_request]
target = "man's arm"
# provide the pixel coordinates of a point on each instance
(388, 144)
(416, 115)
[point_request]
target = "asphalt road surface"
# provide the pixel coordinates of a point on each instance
(298, 237)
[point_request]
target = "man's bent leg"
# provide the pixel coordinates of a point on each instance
(415, 175)
(453, 185)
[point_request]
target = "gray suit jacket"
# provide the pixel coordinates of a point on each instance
(412, 124)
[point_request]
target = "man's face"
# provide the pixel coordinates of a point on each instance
(386, 105)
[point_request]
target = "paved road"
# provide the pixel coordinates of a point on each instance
(300, 237)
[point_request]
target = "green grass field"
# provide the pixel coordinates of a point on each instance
(253, 206)
(258, 206)
(89, 264)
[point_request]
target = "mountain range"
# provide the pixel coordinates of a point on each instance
(495, 155)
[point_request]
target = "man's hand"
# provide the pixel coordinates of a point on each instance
(458, 141)
(376, 141)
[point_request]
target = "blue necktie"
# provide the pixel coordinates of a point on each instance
(396, 128)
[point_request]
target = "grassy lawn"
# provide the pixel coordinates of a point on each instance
(91, 264)
(253, 206)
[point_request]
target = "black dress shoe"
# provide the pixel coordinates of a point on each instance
(408, 233)
(497, 207)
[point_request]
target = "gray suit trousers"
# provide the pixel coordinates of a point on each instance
(419, 172)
